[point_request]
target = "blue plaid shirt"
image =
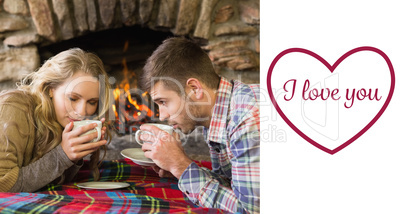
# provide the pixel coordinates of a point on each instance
(234, 141)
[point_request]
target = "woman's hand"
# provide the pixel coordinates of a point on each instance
(77, 147)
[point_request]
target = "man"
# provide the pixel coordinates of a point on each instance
(183, 83)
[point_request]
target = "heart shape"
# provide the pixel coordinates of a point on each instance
(331, 68)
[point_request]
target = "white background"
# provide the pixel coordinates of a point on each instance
(366, 176)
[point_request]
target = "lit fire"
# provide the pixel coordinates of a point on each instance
(131, 107)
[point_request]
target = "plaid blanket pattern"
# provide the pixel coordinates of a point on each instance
(147, 194)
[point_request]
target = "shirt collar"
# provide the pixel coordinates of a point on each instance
(217, 127)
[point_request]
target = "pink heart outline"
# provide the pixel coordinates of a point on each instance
(331, 68)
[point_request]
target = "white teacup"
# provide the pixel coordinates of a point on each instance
(166, 128)
(98, 128)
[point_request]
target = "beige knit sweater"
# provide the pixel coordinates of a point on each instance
(17, 138)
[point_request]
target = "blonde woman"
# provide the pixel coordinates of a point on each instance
(38, 145)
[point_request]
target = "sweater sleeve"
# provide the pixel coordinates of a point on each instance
(16, 142)
(43, 171)
(17, 138)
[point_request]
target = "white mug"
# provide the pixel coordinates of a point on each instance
(98, 128)
(166, 128)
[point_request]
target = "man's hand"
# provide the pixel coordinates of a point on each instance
(166, 151)
(162, 173)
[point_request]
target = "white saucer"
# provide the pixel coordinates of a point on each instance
(137, 156)
(103, 185)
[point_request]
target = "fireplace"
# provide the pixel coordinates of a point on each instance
(123, 33)
(124, 54)
(227, 30)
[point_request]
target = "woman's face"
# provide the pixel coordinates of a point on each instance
(76, 99)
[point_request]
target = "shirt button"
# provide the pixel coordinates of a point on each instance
(187, 192)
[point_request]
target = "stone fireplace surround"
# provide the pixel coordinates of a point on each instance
(228, 30)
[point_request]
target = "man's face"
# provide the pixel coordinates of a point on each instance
(179, 111)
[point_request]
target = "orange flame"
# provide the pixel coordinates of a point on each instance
(125, 87)
(115, 111)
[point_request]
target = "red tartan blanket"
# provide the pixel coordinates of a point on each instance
(147, 193)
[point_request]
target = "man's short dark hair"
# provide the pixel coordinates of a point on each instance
(174, 62)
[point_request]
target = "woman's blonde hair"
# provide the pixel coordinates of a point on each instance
(53, 73)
